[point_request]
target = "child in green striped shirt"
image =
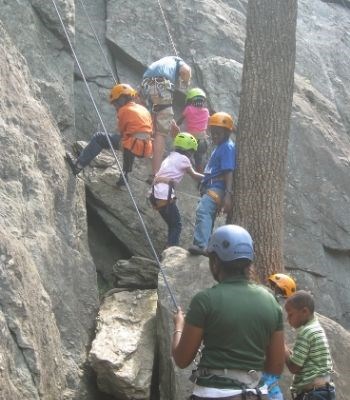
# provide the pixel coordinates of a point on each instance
(310, 361)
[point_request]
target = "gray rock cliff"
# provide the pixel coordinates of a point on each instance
(48, 286)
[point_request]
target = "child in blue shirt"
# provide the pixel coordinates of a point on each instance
(216, 186)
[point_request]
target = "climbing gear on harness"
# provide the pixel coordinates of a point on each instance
(284, 282)
(215, 196)
(72, 163)
(121, 89)
(115, 156)
(221, 119)
(157, 86)
(185, 141)
(195, 92)
(231, 242)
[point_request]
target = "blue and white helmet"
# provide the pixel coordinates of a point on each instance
(231, 242)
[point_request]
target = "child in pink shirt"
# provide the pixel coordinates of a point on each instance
(195, 116)
(171, 171)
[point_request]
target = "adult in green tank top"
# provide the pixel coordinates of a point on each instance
(239, 322)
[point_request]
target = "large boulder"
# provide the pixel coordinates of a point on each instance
(122, 353)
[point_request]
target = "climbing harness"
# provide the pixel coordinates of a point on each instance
(167, 28)
(116, 78)
(326, 392)
(115, 157)
(139, 144)
(160, 203)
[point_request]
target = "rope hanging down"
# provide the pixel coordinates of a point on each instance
(167, 28)
(116, 78)
(116, 159)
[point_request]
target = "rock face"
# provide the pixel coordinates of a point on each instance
(210, 36)
(122, 353)
(48, 295)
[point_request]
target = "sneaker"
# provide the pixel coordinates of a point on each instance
(72, 163)
(197, 251)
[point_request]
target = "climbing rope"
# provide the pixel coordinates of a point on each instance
(167, 28)
(116, 159)
(116, 78)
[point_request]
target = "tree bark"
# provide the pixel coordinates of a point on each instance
(264, 119)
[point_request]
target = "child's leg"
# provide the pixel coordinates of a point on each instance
(171, 216)
(205, 216)
(95, 146)
(128, 161)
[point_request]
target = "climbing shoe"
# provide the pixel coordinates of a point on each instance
(197, 251)
(73, 163)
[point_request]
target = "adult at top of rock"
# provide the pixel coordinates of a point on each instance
(159, 81)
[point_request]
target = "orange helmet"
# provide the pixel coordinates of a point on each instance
(121, 89)
(284, 282)
(222, 119)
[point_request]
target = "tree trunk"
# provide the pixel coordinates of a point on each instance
(264, 118)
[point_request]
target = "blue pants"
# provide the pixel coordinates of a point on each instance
(318, 394)
(171, 215)
(277, 396)
(205, 217)
(97, 143)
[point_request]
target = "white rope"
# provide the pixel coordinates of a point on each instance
(116, 159)
(167, 28)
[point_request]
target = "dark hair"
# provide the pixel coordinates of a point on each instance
(197, 101)
(301, 299)
(220, 129)
(187, 153)
(123, 99)
(235, 267)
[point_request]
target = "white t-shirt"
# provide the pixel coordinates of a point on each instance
(173, 167)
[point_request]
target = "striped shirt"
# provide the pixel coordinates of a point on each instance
(311, 352)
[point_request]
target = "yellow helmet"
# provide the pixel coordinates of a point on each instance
(284, 282)
(121, 89)
(221, 119)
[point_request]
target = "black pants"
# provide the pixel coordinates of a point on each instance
(171, 215)
(128, 160)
